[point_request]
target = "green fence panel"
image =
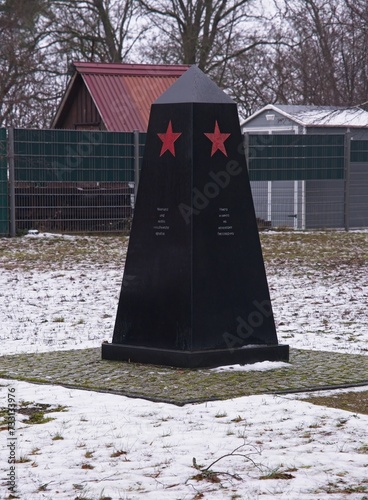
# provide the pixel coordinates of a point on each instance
(4, 199)
(73, 156)
(142, 142)
(359, 151)
(295, 157)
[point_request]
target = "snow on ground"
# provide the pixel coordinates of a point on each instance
(50, 310)
(106, 446)
(74, 306)
(322, 312)
(262, 367)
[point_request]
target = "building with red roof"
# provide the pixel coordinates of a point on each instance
(115, 97)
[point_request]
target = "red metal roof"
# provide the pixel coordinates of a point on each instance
(130, 69)
(123, 93)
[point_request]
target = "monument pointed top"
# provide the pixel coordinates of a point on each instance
(194, 86)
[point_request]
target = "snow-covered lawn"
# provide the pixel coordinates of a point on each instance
(62, 293)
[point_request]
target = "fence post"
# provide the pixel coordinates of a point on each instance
(12, 226)
(347, 149)
(136, 164)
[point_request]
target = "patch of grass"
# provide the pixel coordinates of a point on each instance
(277, 474)
(118, 453)
(57, 437)
(38, 417)
(36, 411)
(356, 402)
(3, 419)
(58, 319)
(355, 489)
(342, 474)
(59, 408)
(24, 403)
(363, 449)
(43, 487)
(322, 251)
(237, 419)
(333, 488)
(291, 469)
(87, 466)
(56, 252)
(212, 477)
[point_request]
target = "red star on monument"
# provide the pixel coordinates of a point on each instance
(168, 139)
(217, 139)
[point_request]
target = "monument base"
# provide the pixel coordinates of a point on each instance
(195, 359)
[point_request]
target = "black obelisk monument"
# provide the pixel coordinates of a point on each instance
(194, 291)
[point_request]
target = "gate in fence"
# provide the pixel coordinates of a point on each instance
(86, 181)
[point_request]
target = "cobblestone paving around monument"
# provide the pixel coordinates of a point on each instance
(84, 369)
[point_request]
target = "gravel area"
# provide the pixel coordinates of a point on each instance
(84, 369)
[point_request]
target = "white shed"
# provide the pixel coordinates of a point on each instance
(290, 119)
(313, 201)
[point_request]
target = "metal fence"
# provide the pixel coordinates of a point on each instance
(74, 181)
(309, 181)
(67, 180)
(356, 185)
(4, 212)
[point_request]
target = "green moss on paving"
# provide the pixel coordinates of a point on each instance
(84, 369)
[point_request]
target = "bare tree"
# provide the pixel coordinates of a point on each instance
(96, 30)
(315, 48)
(24, 91)
(260, 77)
(39, 38)
(209, 33)
(305, 52)
(354, 60)
(320, 58)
